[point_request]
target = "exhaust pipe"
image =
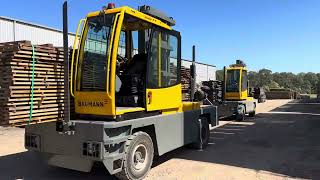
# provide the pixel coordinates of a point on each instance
(193, 73)
(66, 119)
(66, 63)
(224, 82)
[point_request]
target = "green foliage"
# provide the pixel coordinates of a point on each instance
(219, 75)
(302, 82)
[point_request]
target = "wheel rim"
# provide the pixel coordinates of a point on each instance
(139, 158)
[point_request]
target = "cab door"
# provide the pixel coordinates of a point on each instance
(94, 92)
(244, 84)
(163, 72)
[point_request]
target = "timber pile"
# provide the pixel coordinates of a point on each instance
(279, 93)
(185, 83)
(15, 83)
(214, 90)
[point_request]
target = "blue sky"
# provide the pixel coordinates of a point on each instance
(281, 35)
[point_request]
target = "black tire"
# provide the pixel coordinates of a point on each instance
(203, 140)
(241, 116)
(138, 158)
(252, 114)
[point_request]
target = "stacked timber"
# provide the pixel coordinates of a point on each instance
(173, 72)
(214, 90)
(280, 93)
(16, 79)
(185, 83)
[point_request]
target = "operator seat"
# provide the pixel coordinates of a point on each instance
(133, 82)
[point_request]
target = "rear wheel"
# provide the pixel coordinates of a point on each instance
(138, 156)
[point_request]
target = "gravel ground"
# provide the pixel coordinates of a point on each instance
(281, 142)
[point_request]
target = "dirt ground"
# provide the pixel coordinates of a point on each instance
(281, 142)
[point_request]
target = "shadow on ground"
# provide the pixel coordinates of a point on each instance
(284, 141)
(29, 166)
(286, 144)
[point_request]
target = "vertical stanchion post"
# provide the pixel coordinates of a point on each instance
(66, 63)
(200, 134)
(193, 73)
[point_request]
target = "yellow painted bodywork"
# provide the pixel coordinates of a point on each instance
(135, 13)
(164, 98)
(82, 21)
(185, 106)
(96, 103)
(129, 110)
(85, 99)
(188, 106)
(241, 94)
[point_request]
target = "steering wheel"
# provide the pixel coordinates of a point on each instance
(121, 61)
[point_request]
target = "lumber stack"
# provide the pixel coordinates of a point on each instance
(15, 83)
(185, 83)
(214, 90)
(280, 93)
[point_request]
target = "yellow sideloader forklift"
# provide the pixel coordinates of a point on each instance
(236, 95)
(128, 102)
(231, 95)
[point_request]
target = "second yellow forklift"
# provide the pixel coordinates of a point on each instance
(236, 92)
(231, 95)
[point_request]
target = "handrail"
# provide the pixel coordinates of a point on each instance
(72, 60)
(77, 59)
(109, 50)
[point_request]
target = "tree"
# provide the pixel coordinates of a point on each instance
(301, 82)
(252, 77)
(313, 80)
(264, 77)
(219, 75)
(273, 84)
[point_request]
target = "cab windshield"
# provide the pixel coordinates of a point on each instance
(232, 81)
(94, 54)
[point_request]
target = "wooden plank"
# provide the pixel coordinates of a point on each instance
(35, 115)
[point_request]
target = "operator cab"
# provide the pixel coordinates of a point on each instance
(236, 81)
(128, 61)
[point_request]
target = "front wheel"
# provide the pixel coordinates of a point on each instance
(138, 159)
(241, 114)
(252, 114)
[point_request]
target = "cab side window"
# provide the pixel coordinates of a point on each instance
(163, 66)
(169, 60)
(153, 64)
(244, 80)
